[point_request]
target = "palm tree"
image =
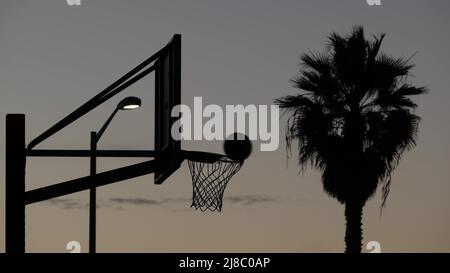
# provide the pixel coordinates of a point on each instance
(353, 121)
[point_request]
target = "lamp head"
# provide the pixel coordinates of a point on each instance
(129, 103)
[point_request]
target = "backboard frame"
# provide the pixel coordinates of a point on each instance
(167, 95)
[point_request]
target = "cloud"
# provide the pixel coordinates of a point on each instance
(248, 200)
(119, 202)
(136, 201)
(245, 200)
(69, 204)
(144, 201)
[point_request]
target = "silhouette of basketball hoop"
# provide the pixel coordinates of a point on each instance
(210, 172)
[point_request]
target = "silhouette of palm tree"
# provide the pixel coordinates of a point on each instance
(353, 121)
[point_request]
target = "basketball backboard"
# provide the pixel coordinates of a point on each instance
(167, 95)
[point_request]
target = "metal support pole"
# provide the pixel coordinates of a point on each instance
(15, 184)
(92, 196)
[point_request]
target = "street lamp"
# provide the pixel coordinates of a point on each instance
(128, 103)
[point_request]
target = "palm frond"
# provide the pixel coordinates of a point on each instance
(409, 90)
(317, 62)
(374, 48)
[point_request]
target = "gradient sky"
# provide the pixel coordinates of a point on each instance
(54, 57)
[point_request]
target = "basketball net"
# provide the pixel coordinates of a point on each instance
(209, 181)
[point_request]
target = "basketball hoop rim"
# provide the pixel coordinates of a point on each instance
(206, 157)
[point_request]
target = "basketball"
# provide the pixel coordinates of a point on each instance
(237, 147)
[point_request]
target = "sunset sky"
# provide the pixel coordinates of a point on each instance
(54, 57)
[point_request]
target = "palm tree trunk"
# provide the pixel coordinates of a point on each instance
(353, 232)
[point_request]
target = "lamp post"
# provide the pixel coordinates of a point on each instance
(128, 103)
